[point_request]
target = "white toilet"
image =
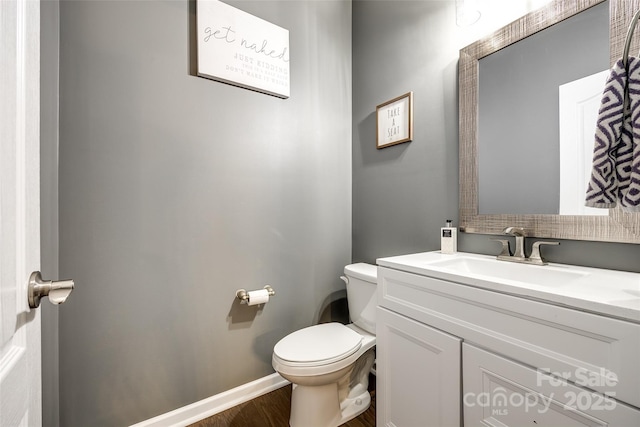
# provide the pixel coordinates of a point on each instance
(329, 364)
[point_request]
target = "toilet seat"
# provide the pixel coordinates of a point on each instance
(317, 345)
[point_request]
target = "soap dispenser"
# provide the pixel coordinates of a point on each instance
(448, 239)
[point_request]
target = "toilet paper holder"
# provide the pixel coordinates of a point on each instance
(243, 295)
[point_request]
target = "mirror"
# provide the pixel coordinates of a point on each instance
(547, 23)
(519, 100)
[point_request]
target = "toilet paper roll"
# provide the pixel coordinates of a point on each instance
(258, 297)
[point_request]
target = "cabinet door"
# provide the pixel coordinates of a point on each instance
(418, 373)
(500, 392)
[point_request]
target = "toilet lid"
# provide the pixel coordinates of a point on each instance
(319, 344)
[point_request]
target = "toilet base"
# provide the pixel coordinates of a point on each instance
(353, 407)
(318, 406)
(315, 406)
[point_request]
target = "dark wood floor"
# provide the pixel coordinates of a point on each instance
(273, 410)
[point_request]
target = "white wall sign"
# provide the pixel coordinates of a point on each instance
(394, 121)
(240, 49)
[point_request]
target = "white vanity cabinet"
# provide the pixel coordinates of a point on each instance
(450, 353)
(421, 365)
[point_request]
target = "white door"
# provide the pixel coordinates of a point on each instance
(20, 384)
(579, 102)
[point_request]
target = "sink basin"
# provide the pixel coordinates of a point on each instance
(546, 276)
(608, 292)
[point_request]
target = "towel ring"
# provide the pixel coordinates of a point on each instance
(627, 43)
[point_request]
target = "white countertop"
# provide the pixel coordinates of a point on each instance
(608, 292)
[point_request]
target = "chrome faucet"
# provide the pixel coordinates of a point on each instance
(518, 254)
(520, 235)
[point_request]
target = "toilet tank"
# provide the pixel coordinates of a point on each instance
(361, 282)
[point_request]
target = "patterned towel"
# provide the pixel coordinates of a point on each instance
(615, 174)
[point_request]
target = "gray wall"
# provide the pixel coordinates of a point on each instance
(175, 191)
(403, 194)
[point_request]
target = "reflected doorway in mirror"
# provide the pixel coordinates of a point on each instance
(579, 104)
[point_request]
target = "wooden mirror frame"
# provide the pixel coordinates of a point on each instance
(618, 226)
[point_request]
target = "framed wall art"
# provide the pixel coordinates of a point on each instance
(394, 121)
(240, 49)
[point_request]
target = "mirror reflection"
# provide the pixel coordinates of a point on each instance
(538, 101)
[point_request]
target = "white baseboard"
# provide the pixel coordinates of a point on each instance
(197, 411)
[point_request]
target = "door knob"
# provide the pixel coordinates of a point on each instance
(57, 290)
